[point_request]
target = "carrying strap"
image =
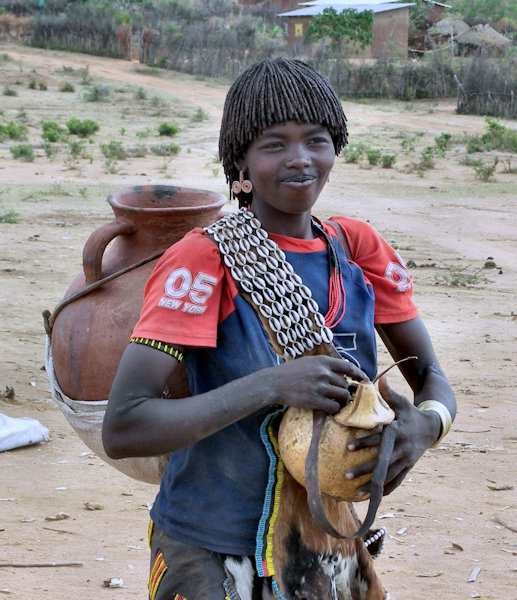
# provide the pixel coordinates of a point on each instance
(376, 483)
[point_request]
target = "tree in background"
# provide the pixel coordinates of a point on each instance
(349, 30)
(485, 11)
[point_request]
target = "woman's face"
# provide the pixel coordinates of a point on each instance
(288, 164)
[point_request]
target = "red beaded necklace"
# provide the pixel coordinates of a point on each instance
(337, 295)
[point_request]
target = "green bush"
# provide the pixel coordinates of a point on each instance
(13, 131)
(485, 171)
(408, 144)
(9, 92)
(388, 160)
(42, 86)
(23, 151)
(167, 129)
(500, 137)
(140, 94)
(82, 128)
(32, 84)
(353, 153)
(476, 144)
(427, 158)
(165, 149)
(443, 143)
(199, 116)
(66, 86)
(373, 156)
(50, 150)
(113, 150)
(9, 216)
(52, 131)
(98, 93)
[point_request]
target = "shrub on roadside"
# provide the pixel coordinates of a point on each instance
(66, 86)
(52, 131)
(82, 128)
(23, 152)
(113, 150)
(12, 131)
(388, 160)
(167, 129)
(165, 149)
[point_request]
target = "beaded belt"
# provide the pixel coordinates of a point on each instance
(267, 280)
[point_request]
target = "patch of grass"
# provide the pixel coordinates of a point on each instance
(86, 78)
(144, 133)
(167, 129)
(32, 84)
(113, 150)
(9, 92)
(22, 152)
(470, 162)
(136, 152)
(199, 116)
(50, 150)
(10, 216)
(486, 171)
(464, 277)
(153, 71)
(12, 131)
(408, 144)
(140, 94)
(42, 86)
(97, 93)
(66, 86)
(165, 149)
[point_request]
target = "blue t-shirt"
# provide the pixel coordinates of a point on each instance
(212, 492)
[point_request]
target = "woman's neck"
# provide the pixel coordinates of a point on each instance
(295, 226)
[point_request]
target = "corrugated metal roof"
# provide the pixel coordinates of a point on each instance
(348, 2)
(310, 11)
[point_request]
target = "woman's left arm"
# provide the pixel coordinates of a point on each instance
(416, 429)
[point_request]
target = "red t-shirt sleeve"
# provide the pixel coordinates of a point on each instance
(384, 268)
(182, 297)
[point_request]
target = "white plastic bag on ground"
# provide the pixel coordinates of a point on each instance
(20, 431)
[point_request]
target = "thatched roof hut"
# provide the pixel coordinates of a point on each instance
(482, 39)
(447, 28)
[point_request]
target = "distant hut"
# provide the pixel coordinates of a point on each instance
(482, 40)
(450, 27)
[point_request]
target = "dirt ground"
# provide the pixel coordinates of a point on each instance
(455, 517)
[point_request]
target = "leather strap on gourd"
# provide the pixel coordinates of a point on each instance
(312, 484)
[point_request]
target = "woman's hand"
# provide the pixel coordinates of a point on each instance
(315, 382)
(415, 432)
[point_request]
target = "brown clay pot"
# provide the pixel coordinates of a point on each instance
(89, 334)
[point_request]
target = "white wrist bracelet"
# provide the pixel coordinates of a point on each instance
(445, 417)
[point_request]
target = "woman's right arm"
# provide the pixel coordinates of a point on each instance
(139, 422)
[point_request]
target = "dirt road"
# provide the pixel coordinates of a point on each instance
(452, 519)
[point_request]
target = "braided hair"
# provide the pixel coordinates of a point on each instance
(275, 91)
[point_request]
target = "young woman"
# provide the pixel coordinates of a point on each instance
(281, 130)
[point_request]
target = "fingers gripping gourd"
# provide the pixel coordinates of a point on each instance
(367, 413)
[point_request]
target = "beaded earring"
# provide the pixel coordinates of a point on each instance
(243, 185)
